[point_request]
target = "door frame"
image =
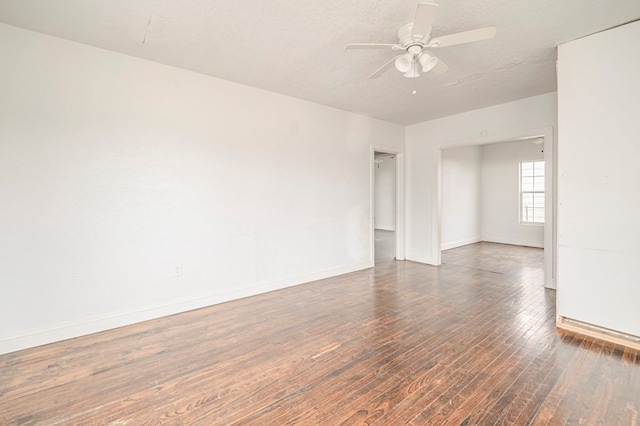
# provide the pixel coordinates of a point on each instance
(399, 207)
(550, 233)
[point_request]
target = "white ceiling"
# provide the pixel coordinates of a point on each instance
(297, 47)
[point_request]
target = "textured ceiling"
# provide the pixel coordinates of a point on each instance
(297, 47)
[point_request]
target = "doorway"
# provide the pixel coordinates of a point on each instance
(541, 140)
(386, 205)
(384, 213)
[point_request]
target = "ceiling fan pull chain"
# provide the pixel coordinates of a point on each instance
(415, 68)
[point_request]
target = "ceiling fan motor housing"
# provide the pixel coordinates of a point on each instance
(406, 39)
(414, 46)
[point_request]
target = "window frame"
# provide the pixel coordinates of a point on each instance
(521, 193)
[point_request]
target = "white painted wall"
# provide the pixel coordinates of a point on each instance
(501, 193)
(115, 169)
(385, 194)
(424, 142)
(461, 196)
(599, 179)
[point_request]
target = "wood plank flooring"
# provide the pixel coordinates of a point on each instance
(470, 342)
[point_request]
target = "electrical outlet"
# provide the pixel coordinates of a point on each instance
(177, 270)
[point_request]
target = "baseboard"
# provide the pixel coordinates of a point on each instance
(107, 322)
(599, 333)
(512, 241)
(421, 259)
(386, 228)
(460, 243)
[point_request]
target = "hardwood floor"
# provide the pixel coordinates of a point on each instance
(470, 342)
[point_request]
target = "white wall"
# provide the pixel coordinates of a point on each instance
(461, 196)
(599, 179)
(113, 170)
(501, 193)
(385, 194)
(423, 143)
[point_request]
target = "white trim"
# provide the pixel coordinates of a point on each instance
(512, 241)
(400, 206)
(436, 210)
(372, 206)
(550, 210)
(60, 332)
(460, 243)
(601, 333)
(522, 221)
(399, 226)
(421, 259)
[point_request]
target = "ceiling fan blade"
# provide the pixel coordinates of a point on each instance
(424, 17)
(377, 73)
(440, 67)
(463, 37)
(373, 46)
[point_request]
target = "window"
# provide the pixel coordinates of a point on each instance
(532, 192)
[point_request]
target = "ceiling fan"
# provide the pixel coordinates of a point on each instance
(414, 40)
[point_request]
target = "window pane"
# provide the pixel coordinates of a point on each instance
(532, 191)
(538, 199)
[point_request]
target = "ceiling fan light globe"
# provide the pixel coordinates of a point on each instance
(412, 73)
(403, 63)
(428, 62)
